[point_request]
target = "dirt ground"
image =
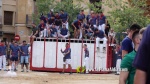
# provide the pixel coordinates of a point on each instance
(34, 77)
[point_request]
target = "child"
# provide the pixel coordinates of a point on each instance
(86, 59)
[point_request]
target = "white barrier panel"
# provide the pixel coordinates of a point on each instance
(50, 54)
(47, 51)
(76, 47)
(37, 54)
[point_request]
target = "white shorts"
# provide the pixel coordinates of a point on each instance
(68, 61)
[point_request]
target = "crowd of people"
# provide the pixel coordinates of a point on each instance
(13, 54)
(55, 25)
(132, 52)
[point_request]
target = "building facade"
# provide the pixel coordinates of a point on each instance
(13, 19)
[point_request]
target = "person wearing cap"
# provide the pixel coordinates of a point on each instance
(64, 33)
(24, 56)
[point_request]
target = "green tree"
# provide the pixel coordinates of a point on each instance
(124, 13)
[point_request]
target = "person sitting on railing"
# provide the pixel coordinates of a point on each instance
(88, 32)
(42, 28)
(34, 33)
(64, 33)
(111, 36)
(57, 21)
(53, 31)
(100, 35)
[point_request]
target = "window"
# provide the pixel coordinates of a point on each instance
(8, 18)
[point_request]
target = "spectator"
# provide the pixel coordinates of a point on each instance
(64, 33)
(88, 17)
(24, 56)
(51, 20)
(127, 45)
(99, 34)
(81, 15)
(88, 32)
(141, 61)
(127, 77)
(119, 57)
(50, 14)
(92, 20)
(43, 30)
(53, 31)
(57, 21)
(76, 27)
(107, 28)
(48, 26)
(42, 17)
(34, 33)
(111, 36)
(102, 22)
(14, 51)
(3, 55)
(64, 17)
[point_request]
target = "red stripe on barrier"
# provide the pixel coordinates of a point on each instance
(44, 54)
(81, 55)
(56, 51)
(31, 55)
(94, 53)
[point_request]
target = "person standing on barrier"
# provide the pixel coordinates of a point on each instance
(67, 58)
(64, 18)
(99, 34)
(127, 45)
(24, 56)
(86, 59)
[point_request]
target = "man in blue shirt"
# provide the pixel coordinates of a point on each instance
(81, 15)
(64, 33)
(127, 45)
(93, 20)
(3, 55)
(24, 56)
(67, 58)
(76, 27)
(64, 17)
(42, 28)
(14, 52)
(100, 36)
(53, 31)
(102, 22)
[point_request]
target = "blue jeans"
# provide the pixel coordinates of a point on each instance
(24, 59)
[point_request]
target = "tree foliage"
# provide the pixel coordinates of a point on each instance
(123, 13)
